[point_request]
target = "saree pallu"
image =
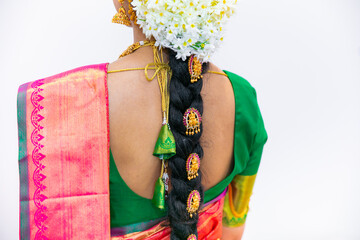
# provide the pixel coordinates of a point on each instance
(64, 156)
(63, 124)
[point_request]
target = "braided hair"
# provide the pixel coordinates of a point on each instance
(183, 95)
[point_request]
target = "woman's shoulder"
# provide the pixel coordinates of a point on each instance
(244, 91)
(249, 120)
(237, 81)
(240, 81)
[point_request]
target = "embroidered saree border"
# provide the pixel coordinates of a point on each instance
(31, 132)
(37, 159)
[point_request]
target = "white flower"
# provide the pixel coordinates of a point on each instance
(186, 26)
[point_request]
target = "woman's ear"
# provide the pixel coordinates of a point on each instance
(116, 4)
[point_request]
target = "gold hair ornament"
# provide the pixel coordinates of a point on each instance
(193, 202)
(195, 69)
(192, 166)
(192, 120)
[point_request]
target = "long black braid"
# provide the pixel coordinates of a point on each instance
(183, 95)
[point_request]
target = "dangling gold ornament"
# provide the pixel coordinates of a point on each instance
(192, 237)
(195, 69)
(193, 202)
(192, 166)
(192, 121)
(121, 17)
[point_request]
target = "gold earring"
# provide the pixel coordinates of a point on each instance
(131, 12)
(121, 17)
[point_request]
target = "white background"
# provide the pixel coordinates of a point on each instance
(302, 57)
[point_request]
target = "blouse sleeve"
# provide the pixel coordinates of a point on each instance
(236, 205)
(257, 146)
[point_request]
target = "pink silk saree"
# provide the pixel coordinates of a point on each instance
(64, 191)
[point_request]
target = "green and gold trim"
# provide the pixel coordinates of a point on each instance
(236, 205)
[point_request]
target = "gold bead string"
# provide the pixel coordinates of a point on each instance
(162, 71)
(164, 74)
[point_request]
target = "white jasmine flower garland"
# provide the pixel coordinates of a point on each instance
(186, 26)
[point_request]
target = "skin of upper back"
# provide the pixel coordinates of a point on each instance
(135, 122)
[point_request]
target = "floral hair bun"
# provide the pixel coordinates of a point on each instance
(189, 27)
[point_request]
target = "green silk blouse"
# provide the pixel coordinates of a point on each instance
(127, 207)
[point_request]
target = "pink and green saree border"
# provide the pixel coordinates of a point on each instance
(23, 160)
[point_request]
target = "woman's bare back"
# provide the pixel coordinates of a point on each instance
(135, 122)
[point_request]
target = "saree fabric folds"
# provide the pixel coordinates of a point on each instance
(209, 225)
(64, 152)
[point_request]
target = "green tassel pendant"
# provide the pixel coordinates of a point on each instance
(165, 146)
(159, 194)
